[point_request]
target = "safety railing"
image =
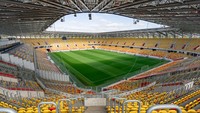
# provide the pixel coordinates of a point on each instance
(73, 99)
(164, 106)
(7, 110)
(110, 102)
(126, 102)
(67, 100)
(115, 99)
(42, 103)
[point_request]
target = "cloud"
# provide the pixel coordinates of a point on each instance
(99, 23)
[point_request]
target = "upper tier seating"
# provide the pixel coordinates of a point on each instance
(66, 87)
(25, 79)
(44, 63)
(58, 44)
(82, 43)
(23, 51)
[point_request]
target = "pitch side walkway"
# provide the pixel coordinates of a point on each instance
(98, 109)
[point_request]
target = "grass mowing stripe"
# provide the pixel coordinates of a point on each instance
(124, 68)
(141, 60)
(95, 65)
(102, 67)
(81, 66)
(114, 59)
(123, 56)
(78, 72)
(111, 63)
(74, 71)
(102, 78)
(80, 78)
(110, 53)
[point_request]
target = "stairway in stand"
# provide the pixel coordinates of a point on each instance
(96, 109)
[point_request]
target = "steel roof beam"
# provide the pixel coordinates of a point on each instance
(98, 5)
(72, 1)
(142, 11)
(176, 4)
(127, 5)
(58, 5)
(19, 4)
(84, 4)
(23, 7)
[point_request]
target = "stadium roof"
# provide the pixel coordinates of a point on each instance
(34, 16)
(155, 32)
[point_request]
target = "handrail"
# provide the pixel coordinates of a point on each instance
(125, 103)
(112, 102)
(7, 110)
(73, 98)
(76, 100)
(164, 106)
(116, 98)
(67, 100)
(41, 103)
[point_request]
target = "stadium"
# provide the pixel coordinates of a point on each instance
(152, 70)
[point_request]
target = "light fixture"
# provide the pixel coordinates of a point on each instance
(134, 21)
(62, 19)
(90, 16)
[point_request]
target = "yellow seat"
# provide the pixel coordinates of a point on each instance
(172, 111)
(133, 112)
(29, 111)
(79, 111)
(162, 111)
(36, 111)
(134, 109)
(142, 111)
(192, 111)
(63, 111)
(21, 108)
(53, 111)
(22, 111)
(154, 111)
(46, 111)
(15, 108)
(183, 111)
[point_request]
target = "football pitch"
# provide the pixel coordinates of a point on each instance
(97, 67)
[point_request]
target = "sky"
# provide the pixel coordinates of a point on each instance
(99, 23)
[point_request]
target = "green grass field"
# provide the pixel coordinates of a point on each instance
(97, 67)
